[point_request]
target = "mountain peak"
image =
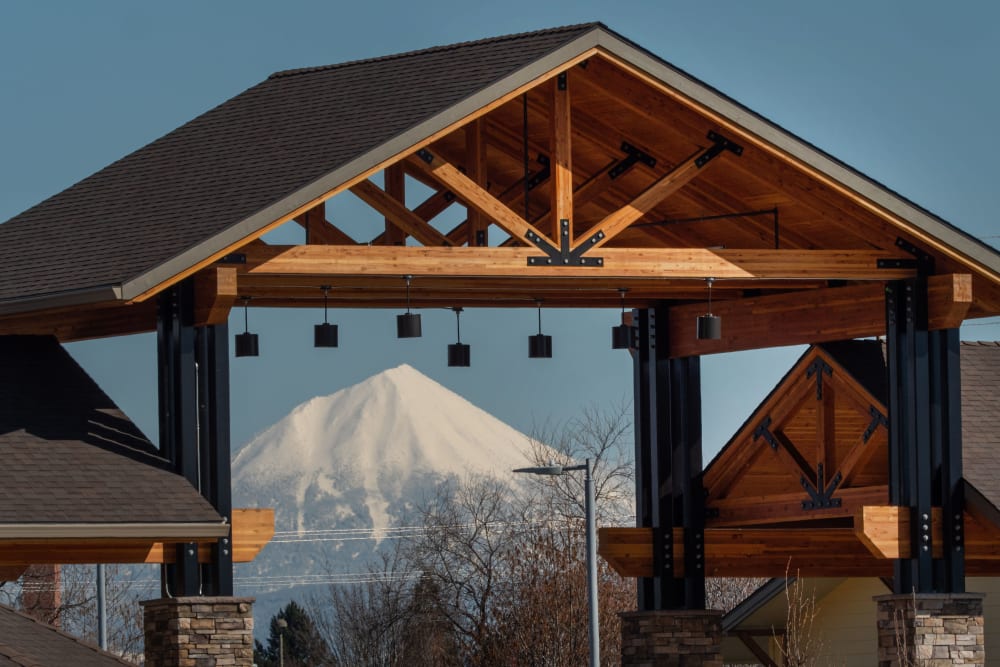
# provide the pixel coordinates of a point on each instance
(391, 438)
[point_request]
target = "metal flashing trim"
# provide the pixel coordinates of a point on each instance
(141, 531)
(61, 299)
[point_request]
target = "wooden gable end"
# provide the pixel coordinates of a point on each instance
(815, 449)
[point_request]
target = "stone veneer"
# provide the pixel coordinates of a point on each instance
(199, 632)
(671, 638)
(930, 630)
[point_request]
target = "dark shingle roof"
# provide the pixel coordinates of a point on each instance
(70, 455)
(981, 418)
(25, 642)
(241, 157)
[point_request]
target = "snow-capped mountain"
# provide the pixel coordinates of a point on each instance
(345, 471)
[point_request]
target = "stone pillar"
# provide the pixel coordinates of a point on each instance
(199, 632)
(930, 629)
(672, 638)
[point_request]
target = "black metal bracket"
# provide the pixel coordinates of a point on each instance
(818, 368)
(878, 419)
(922, 262)
(561, 81)
(821, 498)
(564, 255)
(233, 258)
(632, 155)
(719, 144)
(763, 431)
(425, 155)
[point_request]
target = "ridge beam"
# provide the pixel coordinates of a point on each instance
(395, 211)
(476, 197)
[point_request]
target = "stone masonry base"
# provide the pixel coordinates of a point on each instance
(930, 630)
(199, 632)
(671, 638)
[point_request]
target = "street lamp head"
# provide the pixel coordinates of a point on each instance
(542, 470)
(282, 623)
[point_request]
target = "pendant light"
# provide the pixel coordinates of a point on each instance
(709, 325)
(621, 335)
(325, 334)
(539, 345)
(408, 324)
(459, 354)
(246, 342)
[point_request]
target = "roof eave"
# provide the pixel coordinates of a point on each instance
(81, 297)
(155, 531)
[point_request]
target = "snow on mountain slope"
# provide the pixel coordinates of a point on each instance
(378, 436)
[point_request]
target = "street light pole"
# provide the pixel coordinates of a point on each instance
(588, 488)
(282, 626)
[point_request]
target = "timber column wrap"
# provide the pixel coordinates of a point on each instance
(930, 629)
(671, 638)
(198, 632)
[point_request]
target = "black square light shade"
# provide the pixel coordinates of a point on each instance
(246, 345)
(621, 337)
(540, 346)
(325, 335)
(459, 355)
(408, 325)
(709, 327)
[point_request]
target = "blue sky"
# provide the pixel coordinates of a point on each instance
(906, 92)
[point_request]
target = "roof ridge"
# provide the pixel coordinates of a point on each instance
(439, 48)
(981, 343)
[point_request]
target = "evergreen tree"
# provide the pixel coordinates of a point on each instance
(303, 645)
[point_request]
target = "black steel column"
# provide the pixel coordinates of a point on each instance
(178, 391)
(946, 448)
(668, 465)
(686, 481)
(214, 444)
(925, 446)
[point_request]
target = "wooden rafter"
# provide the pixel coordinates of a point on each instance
(475, 196)
(397, 212)
(843, 313)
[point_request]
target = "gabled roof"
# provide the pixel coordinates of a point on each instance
(70, 456)
(248, 162)
(26, 642)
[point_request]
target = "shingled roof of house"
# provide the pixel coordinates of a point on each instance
(70, 455)
(26, 642)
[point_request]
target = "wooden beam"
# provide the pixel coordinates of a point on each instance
(252, 529)
(12, 572)
(477, 197)
(885, 530)
(749, 640)
(840, 313)
(397, 212)
(476, 170)
(395, 187)
(748, 511)
(647, 200)
(215, 292)
(654, 263)
(770, 552)
(562, 158)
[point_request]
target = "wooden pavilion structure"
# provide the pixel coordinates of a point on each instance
(585, 166)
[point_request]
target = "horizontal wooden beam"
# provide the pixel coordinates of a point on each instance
(787, 507)
(252, 529)
(215, 292)
(836, 313)
(771, 552)
(885, 530)
(650, 263)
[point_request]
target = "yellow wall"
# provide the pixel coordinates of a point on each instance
(845, 623)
